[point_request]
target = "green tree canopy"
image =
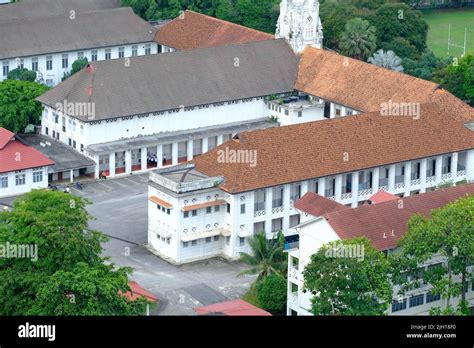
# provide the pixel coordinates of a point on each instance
(18, 106)
(458, 78)
(271, 293)
(345, 285)
(68, 261)
(22, 74)
(77, 65)
(358, 39)
(449, 233)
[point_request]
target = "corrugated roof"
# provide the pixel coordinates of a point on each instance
(317, 149)
(46, 8)
(385, 223)
(180, 79)
(60, 33)
(195, 30)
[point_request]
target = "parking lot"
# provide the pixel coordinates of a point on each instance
(120, 208)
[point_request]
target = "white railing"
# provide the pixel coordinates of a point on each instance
(332, 198)
(259, 213)
(277, 210)
(461, 173)
(399, 185)
(415, 182)
(431, 179)
(383, 188)
(346, 195)
(293, 273)
(365, 192)
(446, 176)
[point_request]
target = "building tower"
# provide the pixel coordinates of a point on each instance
(299, 24)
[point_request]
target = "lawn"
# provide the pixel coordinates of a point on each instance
(439, 20)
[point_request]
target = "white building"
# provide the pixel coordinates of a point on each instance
(165, 109)
(383, 223)
(49, 41)
(22, 168)
(258, 175)
(299, 23)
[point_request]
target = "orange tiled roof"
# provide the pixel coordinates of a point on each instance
(204, 205)
(161, 202)
(317, 205)
(356, 84)
(195, 30)
(317, 149)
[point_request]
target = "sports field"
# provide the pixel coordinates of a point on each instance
(439, 20)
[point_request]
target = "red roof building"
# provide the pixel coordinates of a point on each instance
(382, 196)
(231, 308)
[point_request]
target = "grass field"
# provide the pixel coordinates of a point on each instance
(439, 20)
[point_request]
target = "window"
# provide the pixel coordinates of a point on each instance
(399, 306)
(208, 239)
(417, 300)
(46, 130)
(194, 212)
(65, 61)
(300, 113)
(194, 242)
(121, 52)
(148, 49)
(242, 209)
(430, 297)
(186, 214)
(259, 227)
(94, 55)
(208, 210)
(56, 118)
(49, 62)
(108, 54)
(277, 225)
(216, 238)
(217, 208)
(227, 240)
(294, 287)
(80, 55)
(34, 64)
(286, 112)
(74, 144)
(228, 208)
(241, 241)
(168, 211)
(3, 180)
(70, 141)
(37, 175)
(6, 68)
(134, 51)
(20, 178)
(160, 48)
(294, 220)
(64, 123)
(82, 147)
(168, 240)
(185, 244)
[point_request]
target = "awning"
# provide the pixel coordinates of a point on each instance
(245, 233)
(204, 205)
(205, 234)
(161, 202)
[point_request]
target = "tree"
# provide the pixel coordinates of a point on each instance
(267, 256)
(458, 78)
(18, 106)
(77, 65)
(358, 39)
(449, 233)
(386, 60)
(394, 21)
(67, 262)
(426, 67)
(22, 74)
(333, 19)
(271, 293)
(347, 285)
(402, 48)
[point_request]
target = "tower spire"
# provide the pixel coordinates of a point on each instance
(299, 24)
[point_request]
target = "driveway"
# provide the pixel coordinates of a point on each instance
(120, 208)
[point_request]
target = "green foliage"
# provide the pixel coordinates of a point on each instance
(358, 39)
(333, 19)
(68, 261)
(271, 293)
(386, 59)
(426, 66)
(394, 21)
(18, 106)
(22, 74)
(448, 233)
(348, 285)
(401, 47)
(267, 256)
(458, 78)
(77, 65)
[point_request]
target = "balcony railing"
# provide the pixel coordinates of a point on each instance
(461, 173)
(383, 182)
(365, 192)
(399, 179)
(277, 203)
(346, 195)
(259, 206)
(415, 182)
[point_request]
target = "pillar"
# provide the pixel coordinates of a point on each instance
(286, 207)
(338, 187)
(439, 169)
(322, 187)
(470, 165)
(128, 161)
(355, 189)
(159, 155)
(375, 179)
(174, 153)
(220, 139)
(454, 165)
(205, 144)
(423, 166)
(112, 164)
(391, 178)
(190, 149)
(407, 178)
(97, 164)
(143, 158)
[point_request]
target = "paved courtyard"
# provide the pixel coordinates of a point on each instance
(120, 208)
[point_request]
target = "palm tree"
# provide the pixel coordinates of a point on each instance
(267, 256)
(358, 39)
(387, 59)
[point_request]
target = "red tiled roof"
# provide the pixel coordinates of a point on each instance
(232, 308)
(14, 155)
(317, 205)
(382, 196)
(316, 149)
(357, 84)
(196, 30)
(161, 202)
(385, 223)
(137, 291)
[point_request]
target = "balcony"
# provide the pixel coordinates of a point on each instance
(258, 206)
(383, 182)
(276, 203)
